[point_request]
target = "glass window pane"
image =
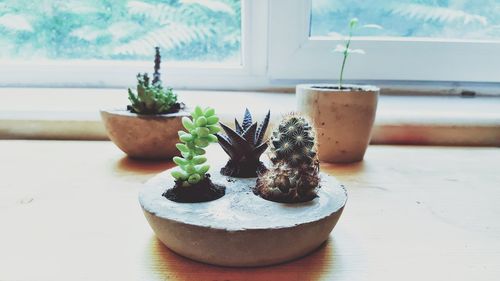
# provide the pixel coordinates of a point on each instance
(186, 30)
(451, 19)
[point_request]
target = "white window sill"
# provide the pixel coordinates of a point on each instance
(73, 114)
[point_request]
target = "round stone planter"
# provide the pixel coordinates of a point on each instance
(144, 136)
(241, 228)
(343, 118)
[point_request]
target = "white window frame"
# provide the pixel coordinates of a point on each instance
(277, 52)
(295, 55)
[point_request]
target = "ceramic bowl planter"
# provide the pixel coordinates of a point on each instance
(147, 128)
(284, 213)
(343, 118)
(143, 136)
(241, 228)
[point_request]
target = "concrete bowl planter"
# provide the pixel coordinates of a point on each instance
(241, 228)
(144, 136)
(343, 118)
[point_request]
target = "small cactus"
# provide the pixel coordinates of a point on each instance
(152, 98)
(200, 133)
(294, 176)
(293, 142)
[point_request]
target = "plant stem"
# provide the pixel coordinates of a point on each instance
(346, 53)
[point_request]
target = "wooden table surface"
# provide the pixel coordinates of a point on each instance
(69, 211)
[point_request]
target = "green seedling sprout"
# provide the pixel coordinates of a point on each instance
(200, 132)
(346, 50)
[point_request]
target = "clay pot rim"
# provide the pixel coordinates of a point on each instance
(326, 87)
(123, 112)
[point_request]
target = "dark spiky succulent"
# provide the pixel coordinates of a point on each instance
(244, 145)
(294, 176)
(152, 98)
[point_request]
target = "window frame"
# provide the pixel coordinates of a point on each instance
(295, 55)
(277, 53)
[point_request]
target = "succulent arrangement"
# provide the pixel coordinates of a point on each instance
(152, 97)
(192, 183)
(244, 145)
(294, 176)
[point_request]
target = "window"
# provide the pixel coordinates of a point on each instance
(424, 40)
(105, 43)
(246, 44)
(451, 19)
(186, 30)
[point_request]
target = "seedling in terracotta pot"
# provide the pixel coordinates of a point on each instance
(147, 128)
(294, 176)
(343, 114)
(192, 183)
(244, 145)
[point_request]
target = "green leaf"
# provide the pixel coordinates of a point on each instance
(202, 131)
(212, 120)
(190, 169)
(201, 121)
(199, 151)
(199, 160)
(187, 123)
(212, 138)
(201, 142)
(214, 129)
(203, 169)
(198, 111)
(194, 178)
(131, 96)
(180, 161)
(179, 175)
(209, 112)
(182, 147)
(186, 138)
(353, 23)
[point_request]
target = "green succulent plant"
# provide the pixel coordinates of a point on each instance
(244, 145)
(151, 97)
(294, 176)
(200, 130)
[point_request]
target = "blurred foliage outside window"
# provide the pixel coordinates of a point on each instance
(186, 30)
(448, 19)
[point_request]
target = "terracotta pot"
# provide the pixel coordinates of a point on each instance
(144, 136)
(241, 228)
(343, 118)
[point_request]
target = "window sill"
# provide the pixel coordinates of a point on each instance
(427, 120)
